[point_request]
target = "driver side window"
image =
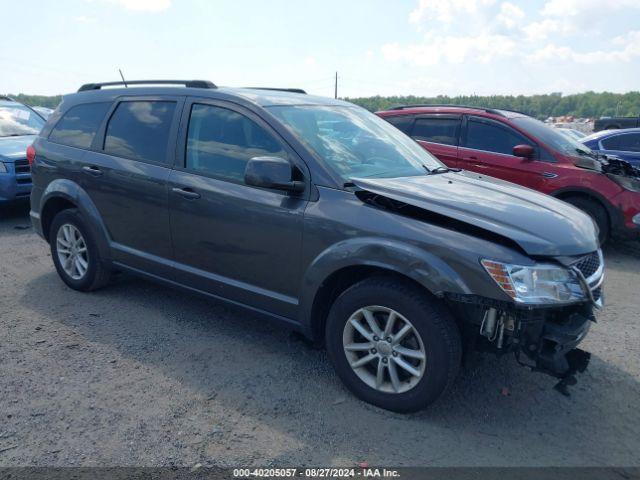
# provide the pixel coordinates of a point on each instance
(491, 137)
(220, 142)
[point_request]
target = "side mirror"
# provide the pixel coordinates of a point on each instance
(272, 172)
(524, 151)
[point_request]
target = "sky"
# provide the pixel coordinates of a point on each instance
(378, 47)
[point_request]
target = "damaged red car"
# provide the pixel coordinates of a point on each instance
(520, 149)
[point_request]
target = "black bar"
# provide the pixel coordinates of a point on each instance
(186, 83)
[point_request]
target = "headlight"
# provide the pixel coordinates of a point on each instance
(628, 183)
(542, 283)
(3, 168)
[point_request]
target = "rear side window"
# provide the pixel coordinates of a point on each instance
(437, 130)
(629, 142)
(220, 142)
(79, 125)
(401, 122)
(491, 137)
(140, 130)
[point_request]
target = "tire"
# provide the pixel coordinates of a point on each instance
(436, 332)
(96, 274)
(597, 212)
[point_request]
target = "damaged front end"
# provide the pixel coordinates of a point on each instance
(543, 338)
(610, 165)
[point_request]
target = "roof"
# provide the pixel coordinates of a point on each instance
(416, 109)
(260, 96)
(608, 133)
(267, 98)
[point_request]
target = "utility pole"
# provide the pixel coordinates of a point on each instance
(335, 92)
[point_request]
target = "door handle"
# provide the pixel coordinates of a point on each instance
(479, 165)
(92, 170)
(186, 193)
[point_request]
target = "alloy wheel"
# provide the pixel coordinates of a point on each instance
(72, 251)
(384, 349)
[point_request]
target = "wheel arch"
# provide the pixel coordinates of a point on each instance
(62, 194)
(345, 264)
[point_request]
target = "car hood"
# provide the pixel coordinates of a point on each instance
(15, 148)
(541, 225)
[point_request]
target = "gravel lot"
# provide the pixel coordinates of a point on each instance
(140, 374)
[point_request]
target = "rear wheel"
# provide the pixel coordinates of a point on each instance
(75, 254)
(597, 212)
(392, 344)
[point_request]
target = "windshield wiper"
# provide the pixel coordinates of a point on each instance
(441, 169)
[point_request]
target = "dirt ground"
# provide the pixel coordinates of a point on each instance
(140, 374)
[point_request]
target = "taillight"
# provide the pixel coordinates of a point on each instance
(31, 154)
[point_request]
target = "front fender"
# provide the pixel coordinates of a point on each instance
(425, 268)
(74, 193)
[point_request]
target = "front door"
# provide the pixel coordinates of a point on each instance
(487, 148)
(239, 242)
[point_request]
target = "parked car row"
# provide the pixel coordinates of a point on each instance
(522, 150)
(19, 124)
(323, 216)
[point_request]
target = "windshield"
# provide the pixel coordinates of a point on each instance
(16, 120)
(550, 136)
(356, 143)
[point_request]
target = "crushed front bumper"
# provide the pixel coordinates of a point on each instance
(542, 339)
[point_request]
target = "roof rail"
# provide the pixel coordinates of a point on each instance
(292, 90)
(418, 105)
(186, 83)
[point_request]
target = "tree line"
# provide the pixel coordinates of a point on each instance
(588, 104)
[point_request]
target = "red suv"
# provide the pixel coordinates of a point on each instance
(515, 147)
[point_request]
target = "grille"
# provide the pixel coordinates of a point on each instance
(23, 172)
(22, 166)
(588, 265)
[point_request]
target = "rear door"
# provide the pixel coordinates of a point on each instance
(624, 145)
(230, 239)
(487, 147)
(439, 134)
(126, 175)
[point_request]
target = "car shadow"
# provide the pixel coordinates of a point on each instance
(251, 367)
(15, 213)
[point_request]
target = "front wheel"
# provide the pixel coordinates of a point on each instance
(393, 344)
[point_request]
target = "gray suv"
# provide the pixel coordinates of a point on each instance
(320, 215)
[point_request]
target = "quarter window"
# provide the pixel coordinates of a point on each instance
(220, 142)
(140, 130)
(491, 137)
(79, 125)
(437, 130)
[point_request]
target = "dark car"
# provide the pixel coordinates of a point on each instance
(319, 214)
(612, 123)
(520, 149)
(19, 125)
(623, 144)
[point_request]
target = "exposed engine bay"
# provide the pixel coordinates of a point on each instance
(542, 340)
(608, 164)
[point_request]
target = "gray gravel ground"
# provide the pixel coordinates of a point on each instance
(140, 374)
